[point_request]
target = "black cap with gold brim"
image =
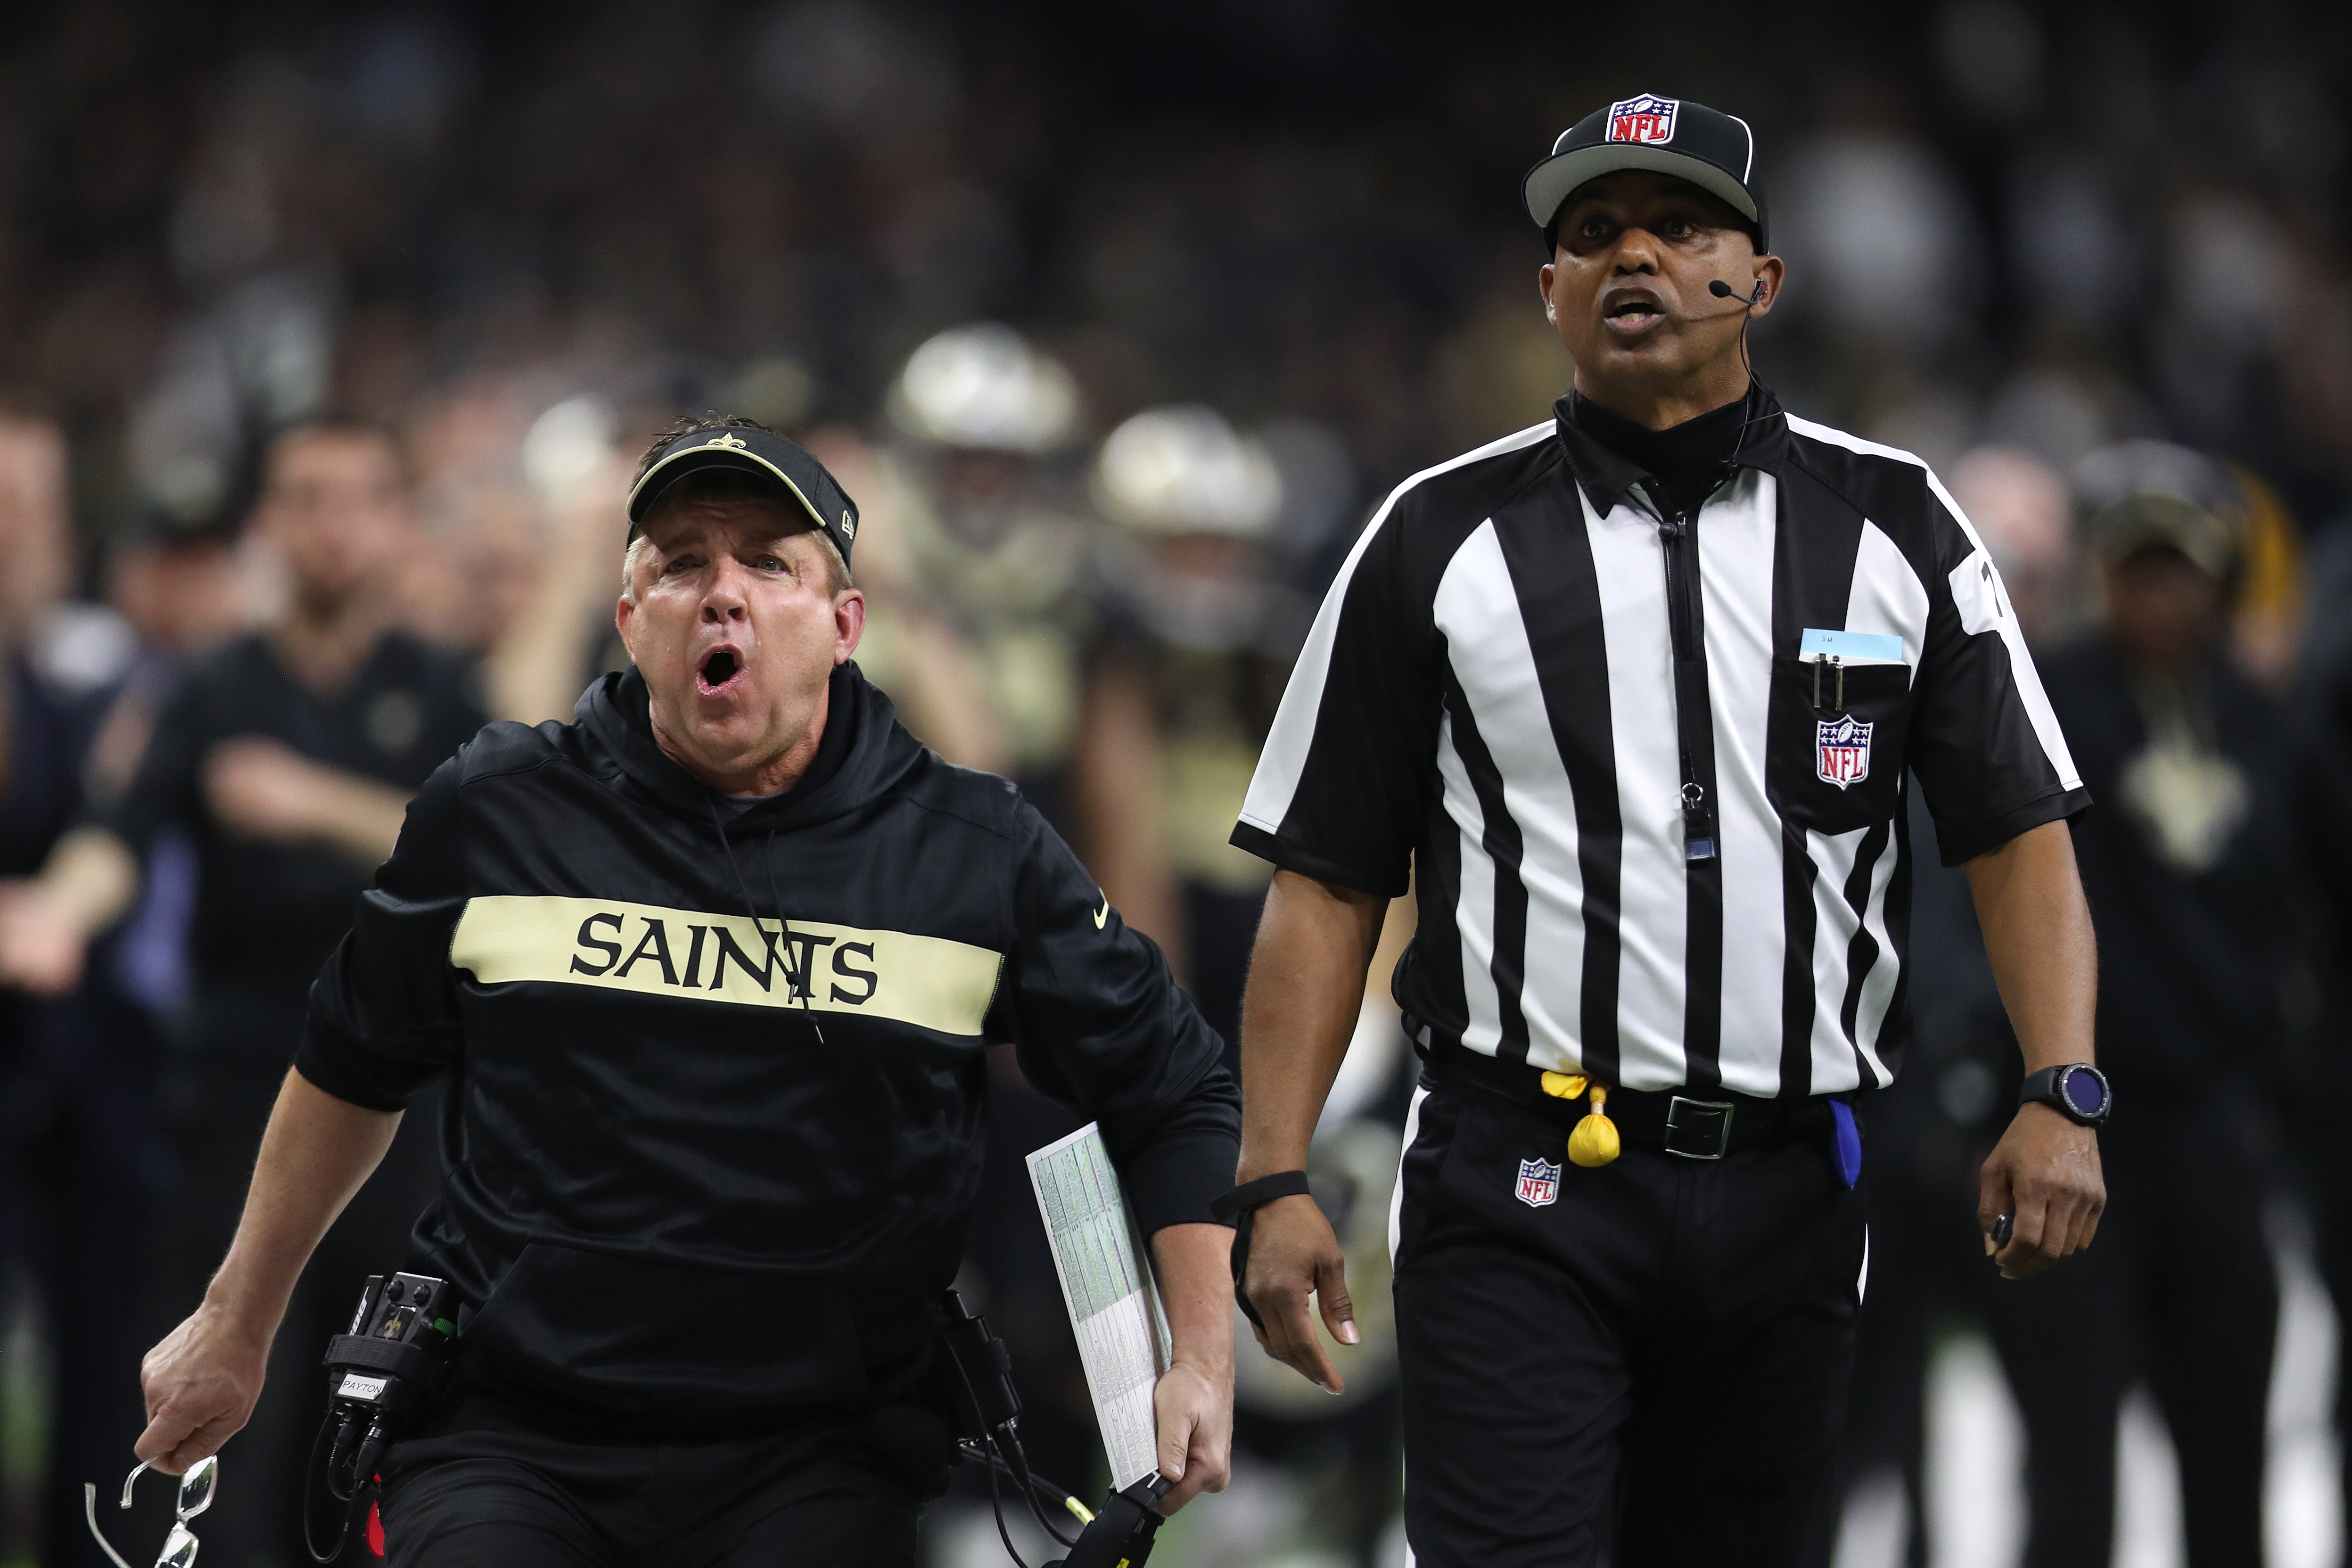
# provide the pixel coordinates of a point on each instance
(799, 477)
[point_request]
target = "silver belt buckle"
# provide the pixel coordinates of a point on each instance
(1698, 1129)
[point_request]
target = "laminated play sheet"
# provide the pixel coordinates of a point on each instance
(1107, 1284)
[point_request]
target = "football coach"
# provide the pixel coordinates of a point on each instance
(1637, 693)
(711, 972)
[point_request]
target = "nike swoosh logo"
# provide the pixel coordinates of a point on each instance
(1103, 914)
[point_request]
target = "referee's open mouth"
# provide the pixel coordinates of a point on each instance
(1632, 311)
(720, 671)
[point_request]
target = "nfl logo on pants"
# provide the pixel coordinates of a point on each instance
(1844, 750)
(1538, 1183)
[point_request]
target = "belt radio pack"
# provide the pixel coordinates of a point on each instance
(988, 1421)
(394, 1362)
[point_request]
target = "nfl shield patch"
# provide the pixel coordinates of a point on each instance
(1843, 750)
(1643, 119)
(1538, 1183)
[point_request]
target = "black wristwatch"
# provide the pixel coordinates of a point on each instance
(2077, 1091)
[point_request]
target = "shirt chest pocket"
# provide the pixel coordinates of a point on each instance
(1834, 759)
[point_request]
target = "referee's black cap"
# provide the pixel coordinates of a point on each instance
(1712, 150)
(798, 478)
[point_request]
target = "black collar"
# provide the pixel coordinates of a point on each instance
(863, 754)
(1607, 475)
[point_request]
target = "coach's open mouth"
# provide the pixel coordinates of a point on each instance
(720, 669)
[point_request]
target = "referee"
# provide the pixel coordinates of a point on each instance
(1635, 692)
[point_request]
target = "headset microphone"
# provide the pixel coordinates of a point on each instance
(1723, 290)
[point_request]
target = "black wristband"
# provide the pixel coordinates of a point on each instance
(1236, 1204)
(1239, 1209)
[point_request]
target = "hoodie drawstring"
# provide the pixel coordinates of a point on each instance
(808, 990)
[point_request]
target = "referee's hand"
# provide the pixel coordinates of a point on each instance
(2045, 1172)
(1292, 1255)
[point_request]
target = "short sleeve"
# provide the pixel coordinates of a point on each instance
(384, 1019)
(1985, 741)
(1099, 1023)
(1340, 787)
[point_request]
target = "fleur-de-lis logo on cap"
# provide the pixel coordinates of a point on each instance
(737, 443)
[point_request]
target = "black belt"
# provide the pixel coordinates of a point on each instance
(1697, 1125)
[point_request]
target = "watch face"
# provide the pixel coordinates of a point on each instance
(2084, 1091)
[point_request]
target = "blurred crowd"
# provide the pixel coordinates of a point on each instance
(327, 338)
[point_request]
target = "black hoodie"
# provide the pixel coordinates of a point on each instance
(714, 1128)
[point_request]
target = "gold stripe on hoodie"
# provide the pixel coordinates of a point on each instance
(927, 981)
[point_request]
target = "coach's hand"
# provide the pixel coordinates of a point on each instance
(1293, 1255)
(1193, 1404)
(1193, 1410)
(2044, 1172)
(201, 1384)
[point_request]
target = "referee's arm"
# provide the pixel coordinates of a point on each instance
(2044, 1172)
(1989, 755)
(1314, 942)
(1350, 750)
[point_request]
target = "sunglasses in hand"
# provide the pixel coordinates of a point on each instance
(196, 1490)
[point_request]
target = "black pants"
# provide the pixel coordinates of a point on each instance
(1928, 1272)
(1649, 1370)
(1927, 1267)
(2179, 1289)
(490, 1491)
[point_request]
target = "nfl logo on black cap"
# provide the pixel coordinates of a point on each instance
(1712, 150)
(1643, 119)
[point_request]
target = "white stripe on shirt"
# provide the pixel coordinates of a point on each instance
(1284, 758)
(1473, 908)
(1652, 893)
(1735, 541)
(1486, 641)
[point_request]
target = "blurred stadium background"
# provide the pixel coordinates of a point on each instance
(526, 235)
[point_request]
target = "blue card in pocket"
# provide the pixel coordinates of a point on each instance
(1853, 647)
(1845, 1141)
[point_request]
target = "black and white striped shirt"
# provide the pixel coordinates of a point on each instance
(1650, 771)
